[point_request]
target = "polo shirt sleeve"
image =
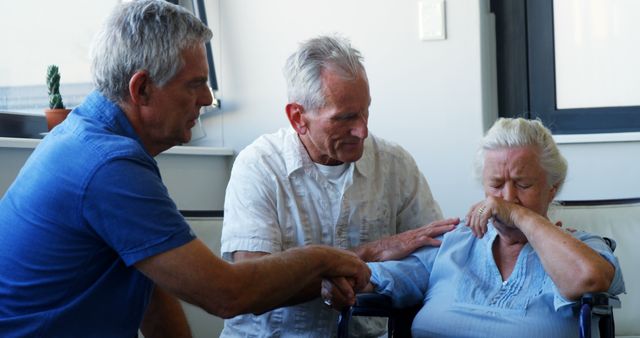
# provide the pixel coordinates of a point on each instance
(129, 207)
(250, 209)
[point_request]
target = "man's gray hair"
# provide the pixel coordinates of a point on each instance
(518, 132)
(303, 68)
(145, 35)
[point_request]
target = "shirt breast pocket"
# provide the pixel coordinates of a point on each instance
(376, 223)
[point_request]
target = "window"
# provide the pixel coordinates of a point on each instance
(197, 7)
(541, 75)
(58, 32)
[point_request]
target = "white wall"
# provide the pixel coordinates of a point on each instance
(434, 98)
(427, 96)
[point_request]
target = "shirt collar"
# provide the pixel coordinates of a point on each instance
(297, 157)
(98, 108)
(365, 164)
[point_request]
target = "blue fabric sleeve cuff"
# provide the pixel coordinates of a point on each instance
(182, 237)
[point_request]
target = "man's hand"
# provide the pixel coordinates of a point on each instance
(336, 292)
(400, 245)
(342, 263)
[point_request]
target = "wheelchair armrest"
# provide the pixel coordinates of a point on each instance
(601, 303)
(367, 304)
(377, 305)
(373, 299)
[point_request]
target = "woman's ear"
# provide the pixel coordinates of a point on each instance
(296, 117)
(140, 88)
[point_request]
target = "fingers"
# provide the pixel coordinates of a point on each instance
(425, 235)
(362, 278)
(347, 264)
(425, 240)
(478, 217)
(400, 245)
(473, 211)
(338, 292)
(437, 228)
(445, 222)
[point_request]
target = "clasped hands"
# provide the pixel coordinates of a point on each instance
(339, 292)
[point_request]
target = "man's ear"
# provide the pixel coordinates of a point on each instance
(140, 88)
(554, 191)
(296, 118)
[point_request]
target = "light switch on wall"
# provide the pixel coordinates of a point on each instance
(431, 15)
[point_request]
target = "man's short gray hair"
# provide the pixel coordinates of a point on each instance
(519, 132)
(303, 68)
(145, 35)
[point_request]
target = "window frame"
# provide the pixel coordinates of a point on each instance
(526, 74)
(198, 9)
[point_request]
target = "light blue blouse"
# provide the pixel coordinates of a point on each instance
(464, 296)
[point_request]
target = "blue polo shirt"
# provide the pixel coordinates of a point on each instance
(87, 205)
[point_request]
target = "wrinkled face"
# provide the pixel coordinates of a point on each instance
(515, 175)
(335, 134)
(175, 107)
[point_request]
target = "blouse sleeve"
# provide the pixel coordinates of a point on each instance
(405, 281)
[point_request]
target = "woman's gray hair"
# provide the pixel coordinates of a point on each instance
(518, 132)
(303, 68)
(145, 35)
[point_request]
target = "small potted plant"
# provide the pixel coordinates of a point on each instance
(56, 112)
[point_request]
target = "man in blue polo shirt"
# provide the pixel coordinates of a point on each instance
(91, 244)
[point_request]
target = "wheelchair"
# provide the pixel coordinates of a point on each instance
(399, 325)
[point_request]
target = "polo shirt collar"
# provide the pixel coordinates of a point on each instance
(110, 115)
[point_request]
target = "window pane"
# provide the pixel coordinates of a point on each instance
(37, 33)
(597, 48)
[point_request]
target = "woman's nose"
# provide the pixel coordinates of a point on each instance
(510, 193)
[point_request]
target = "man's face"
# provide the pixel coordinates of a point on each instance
(174, 108)
(335, 133)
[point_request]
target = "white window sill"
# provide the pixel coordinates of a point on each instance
(597, 138)
(30, 143)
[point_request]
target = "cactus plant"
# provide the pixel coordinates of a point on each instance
(53, 85)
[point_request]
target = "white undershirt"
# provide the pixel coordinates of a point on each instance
(337, 176)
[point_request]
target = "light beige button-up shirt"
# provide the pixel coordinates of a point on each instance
(278, 199)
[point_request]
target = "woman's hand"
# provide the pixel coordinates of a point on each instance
(505, 215)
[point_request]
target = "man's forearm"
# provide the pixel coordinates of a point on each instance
(194, 274)
(298, 265)
(307, 293)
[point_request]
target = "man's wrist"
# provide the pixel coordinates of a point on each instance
(366, 252)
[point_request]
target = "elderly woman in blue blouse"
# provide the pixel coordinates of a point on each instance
(509, 272)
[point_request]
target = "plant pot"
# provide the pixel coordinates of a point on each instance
(55, 116)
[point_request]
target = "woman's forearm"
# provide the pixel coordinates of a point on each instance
(574, 267)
